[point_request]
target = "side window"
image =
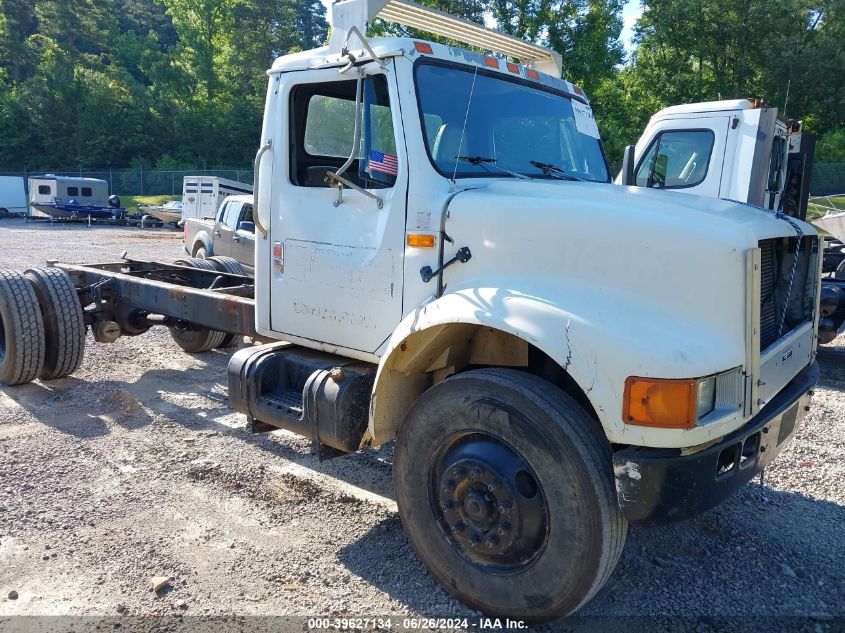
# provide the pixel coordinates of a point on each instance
(44, 190)
(86, 192)
(73, 191)
(246, 216)
(676, 159)
(323, 130)
(233, 212)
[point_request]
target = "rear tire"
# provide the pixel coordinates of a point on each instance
(64, 326)
(229, 265)
(506, 491)
(21, 330)
(197, 341)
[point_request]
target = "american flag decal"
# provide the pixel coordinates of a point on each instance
(385, 163)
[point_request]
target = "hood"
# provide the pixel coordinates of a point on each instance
(611, 206)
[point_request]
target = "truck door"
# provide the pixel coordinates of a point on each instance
(685, 155)
(336, 276)
(243, 238)
(225, 226)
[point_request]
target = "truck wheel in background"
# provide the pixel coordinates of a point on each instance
(506, 491)
(229, 265)
(197, 341)
(200, 252)
(840, 270)
(64, 326)
(227, 339)
(197, 262)
(21, 330)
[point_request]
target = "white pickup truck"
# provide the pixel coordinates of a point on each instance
(442, 260)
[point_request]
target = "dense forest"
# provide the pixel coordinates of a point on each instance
(173, 83)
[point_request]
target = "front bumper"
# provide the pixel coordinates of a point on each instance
(657, 486)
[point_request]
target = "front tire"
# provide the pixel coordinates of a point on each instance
(505, 488)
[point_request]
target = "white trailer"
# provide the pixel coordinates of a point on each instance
(12, 196)
(203, 195)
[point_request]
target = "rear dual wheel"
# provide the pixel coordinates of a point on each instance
(505, 488)
(42, 331)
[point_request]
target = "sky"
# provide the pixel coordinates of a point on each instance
(632, 11)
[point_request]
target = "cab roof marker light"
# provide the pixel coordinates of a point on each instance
(512, 67)
(532, 74)
(423, 47)
(491, 62)
(578, 90)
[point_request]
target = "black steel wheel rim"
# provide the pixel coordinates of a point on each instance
(489, 502)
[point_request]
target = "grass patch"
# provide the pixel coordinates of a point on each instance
(132, 203)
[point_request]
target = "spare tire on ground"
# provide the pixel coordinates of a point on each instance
(21, 330)
(64, 326)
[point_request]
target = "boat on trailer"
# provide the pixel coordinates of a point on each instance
(169, 212)
(72, 198)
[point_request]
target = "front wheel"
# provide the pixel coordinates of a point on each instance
(505, 488)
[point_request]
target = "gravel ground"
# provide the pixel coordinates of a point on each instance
(136, 467)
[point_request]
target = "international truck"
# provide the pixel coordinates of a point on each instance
(443, 261)
(743, 150)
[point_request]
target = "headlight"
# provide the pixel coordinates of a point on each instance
(705, 400)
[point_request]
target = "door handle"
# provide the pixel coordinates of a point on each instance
(216, 233)
(235, 238)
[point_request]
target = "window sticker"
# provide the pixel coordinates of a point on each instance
(584, 121)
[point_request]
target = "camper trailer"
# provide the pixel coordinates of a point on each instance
(203, 195)
(65, 197)
(12, 196)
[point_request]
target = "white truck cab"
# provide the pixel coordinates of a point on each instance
(442, 260)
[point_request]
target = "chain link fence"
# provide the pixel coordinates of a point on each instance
(828, 178)
(139, 181)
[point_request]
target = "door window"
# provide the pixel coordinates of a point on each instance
(676, 159)
(323, 129)
(73, 191)
(231, 215)
(44, 190)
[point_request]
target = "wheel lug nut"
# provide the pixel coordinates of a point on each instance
(493, 485)
(505, 506)
(491, 541)
(475, 473)
(504, 528)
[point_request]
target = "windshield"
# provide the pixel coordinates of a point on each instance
(508, 124)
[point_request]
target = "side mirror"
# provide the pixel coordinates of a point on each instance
(628, 167)
(248, 227)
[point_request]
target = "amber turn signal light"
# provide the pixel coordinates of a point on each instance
(420, 240)
(662, 403)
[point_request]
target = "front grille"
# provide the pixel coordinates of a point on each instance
(782, 310)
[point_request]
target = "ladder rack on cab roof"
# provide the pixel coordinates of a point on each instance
(358, 13)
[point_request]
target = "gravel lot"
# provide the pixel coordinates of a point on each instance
(136, 467)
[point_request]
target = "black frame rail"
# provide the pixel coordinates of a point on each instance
(135, 293)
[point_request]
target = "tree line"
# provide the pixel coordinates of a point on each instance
(181, 83)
